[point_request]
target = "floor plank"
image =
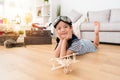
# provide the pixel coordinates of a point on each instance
(32, 63)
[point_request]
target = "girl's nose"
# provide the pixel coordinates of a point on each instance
(63, 29)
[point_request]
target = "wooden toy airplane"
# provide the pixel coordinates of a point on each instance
(64, 62)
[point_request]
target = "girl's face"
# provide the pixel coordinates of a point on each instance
(63, 30)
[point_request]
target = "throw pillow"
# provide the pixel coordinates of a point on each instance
(115, 15)
(74, 15)
(101, 16)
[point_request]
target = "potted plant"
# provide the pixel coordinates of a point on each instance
(58, 10)
(46, 0)
(21, 32)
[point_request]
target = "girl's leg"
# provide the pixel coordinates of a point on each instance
(96, 32)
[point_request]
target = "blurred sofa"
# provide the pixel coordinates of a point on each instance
(110, 25)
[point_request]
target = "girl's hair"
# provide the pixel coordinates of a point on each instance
(65, 19)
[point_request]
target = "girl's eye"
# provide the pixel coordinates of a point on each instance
(65, 26)
(58, 28)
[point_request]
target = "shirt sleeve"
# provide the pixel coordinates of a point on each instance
(82, 46)
(75, 47)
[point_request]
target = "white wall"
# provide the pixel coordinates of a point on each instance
(14, 7)
(53, 10)
(87, 5)
(54, 6)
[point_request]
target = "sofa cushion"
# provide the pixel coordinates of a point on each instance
(104, 27)
(101, 16)
(74, 15)
(115, 15)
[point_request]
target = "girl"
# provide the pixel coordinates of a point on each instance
(68, 43)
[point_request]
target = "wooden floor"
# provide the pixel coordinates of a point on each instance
(32, 63)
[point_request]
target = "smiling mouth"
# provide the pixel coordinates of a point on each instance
(63, 33)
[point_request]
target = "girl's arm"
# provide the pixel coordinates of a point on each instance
(58, 48)
(64, 51)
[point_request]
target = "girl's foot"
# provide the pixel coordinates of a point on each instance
(97, 27)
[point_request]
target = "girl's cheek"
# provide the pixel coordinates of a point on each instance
(58, 31)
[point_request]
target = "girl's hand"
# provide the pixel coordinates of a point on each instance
(69, 35)
(59, 36)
